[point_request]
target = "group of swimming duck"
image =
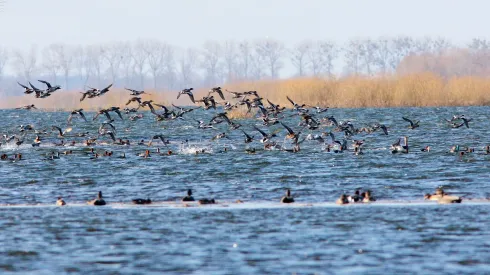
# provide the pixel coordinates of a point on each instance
(365, 197)
(99, 200)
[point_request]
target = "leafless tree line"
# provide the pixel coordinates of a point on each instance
(160, 65)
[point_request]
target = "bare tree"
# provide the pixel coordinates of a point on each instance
(139, 57)
(81, 64)
(257, 66)
(271, 52)
(211, 62)
(26, 63)
(382, 55)
(245, 52)
(50, 63)
(169, 68)
(159, 58)
(112, 54)
(230, 55)
(127, 63)
(353, 54)
(441, 45)
(368, 50)
(402, 47)
(299, 56)
(64, 59)
(187, 66)
(4, 58)
(480, 53)
(96, 61)
(321, 56)
(330, 52)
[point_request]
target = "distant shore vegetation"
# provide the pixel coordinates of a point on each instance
(380, 72)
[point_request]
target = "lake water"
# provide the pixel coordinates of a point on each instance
(399, 234)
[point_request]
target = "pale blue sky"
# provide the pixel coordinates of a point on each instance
(191, 22)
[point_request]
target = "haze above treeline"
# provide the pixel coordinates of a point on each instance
(159, 65)
(169, 45)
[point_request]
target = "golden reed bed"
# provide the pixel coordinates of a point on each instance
(419, 90)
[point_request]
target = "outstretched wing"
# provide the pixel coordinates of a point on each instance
(45, 82)
(23, 86)
(287, 128)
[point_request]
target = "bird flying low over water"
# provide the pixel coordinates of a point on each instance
(187, 92)
(76, 112)
(413, 124)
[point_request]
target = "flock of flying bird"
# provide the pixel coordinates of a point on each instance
(266, 111)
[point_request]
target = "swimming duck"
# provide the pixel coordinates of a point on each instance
(98, 201)
(439, 193)
(356, 197)
(367, 197)
(60, 202)
(207, 201)
(445, 199)
(288, 198)
(398, 148)
(189, 196)
(146, 154)
(141, 201)
(342, 200)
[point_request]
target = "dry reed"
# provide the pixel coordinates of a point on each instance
(417, 90)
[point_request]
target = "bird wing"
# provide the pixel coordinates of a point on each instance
(263, 110)
(260, 131)
(119, 114)
(82, 115)
(57, 128)
(23, 86)
(70, 118)
(408, 120)
(34, 88)
(45, 82)
(287, 128)
(221, 94)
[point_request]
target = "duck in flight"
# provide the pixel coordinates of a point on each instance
(27, 90)
(135, 92)
(218, 91)
(50, 89)
(265, 137)
(76, 112)
(413, 124)
(187, 92)
(61, 132)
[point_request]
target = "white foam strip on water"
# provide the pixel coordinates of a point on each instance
(251, 205)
